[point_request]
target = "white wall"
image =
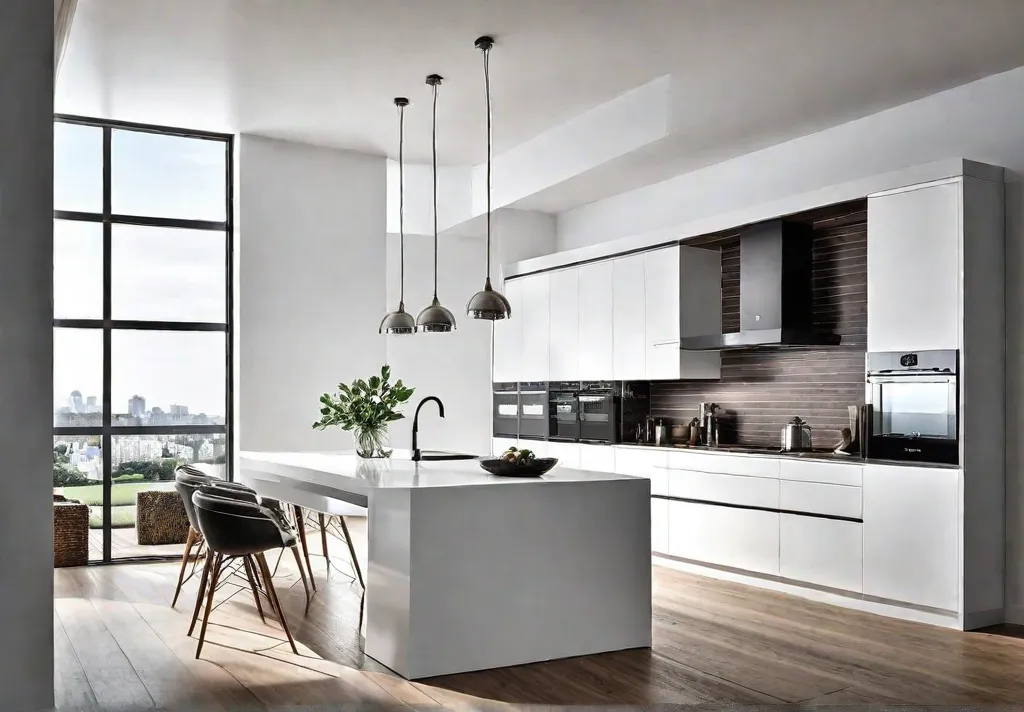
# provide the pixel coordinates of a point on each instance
(310, 288)
(26, 352)
(455, 367)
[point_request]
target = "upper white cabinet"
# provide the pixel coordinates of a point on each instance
(914, 268)
(595, 321)
(682, 297)
(912, 535)
(508, 336)
(536, 319)
(629, 344)
(564, 328)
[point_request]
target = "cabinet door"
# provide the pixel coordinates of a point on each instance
(595, 320)
(740, 538)
(650, 463)
(568, 454)
(599, 458)
(659, 525)
(508, 337)
(536, 333)
(826, 552)
(911, 539)
(913, 269)
(565, 326)
(629, 340)
(661, 313)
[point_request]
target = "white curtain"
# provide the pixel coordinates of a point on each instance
(63, 14)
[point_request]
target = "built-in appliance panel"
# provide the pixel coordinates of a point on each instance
(724, 489)
(533, 410)
(505, 410)
(725, 464)
(816, 498)
(810, 470)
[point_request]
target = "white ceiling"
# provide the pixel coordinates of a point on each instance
(745, 73)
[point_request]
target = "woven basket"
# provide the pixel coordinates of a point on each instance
(70, 533)
(160, 518)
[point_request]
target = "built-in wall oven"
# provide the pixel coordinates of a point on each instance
(506, 410)
(598, 405)
(533, 410)
(915, 406)
(563, 411)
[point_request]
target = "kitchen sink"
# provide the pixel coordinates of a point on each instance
(442, 455)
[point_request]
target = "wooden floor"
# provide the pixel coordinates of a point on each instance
(119, 644)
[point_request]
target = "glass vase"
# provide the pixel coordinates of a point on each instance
(372, 442)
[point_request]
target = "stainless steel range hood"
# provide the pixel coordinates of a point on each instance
(775, 292)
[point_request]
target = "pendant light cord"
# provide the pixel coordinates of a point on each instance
(433, 139)
(401, 201)
(487, 94)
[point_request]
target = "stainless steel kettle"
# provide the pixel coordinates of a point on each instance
(796, 435)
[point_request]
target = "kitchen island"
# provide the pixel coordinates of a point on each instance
(470, 571)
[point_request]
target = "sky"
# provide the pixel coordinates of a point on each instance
(160, 274)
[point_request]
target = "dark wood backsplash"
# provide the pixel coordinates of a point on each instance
(761, 389)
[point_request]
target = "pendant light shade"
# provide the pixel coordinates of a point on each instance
(400, 321)
(488, 303)
(435, 318)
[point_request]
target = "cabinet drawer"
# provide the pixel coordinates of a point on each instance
(599, 458)
(817, 498)
(828, 472)
(724, 464)
(730, 489)
(651, 464)
(825, 552)
(659, 525)
(739, 538)
(568, 454)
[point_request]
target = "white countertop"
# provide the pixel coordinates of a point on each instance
(346, 470)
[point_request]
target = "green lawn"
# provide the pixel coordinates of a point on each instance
(122, 501)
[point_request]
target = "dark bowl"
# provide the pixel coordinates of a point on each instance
(504, 468)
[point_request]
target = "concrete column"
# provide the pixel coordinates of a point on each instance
(26, 354)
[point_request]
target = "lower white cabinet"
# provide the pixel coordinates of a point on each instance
(651, 463)
(538, 447)
(726, 536)
(599, 458)
(911, 539)
(659, 525)
(827, 552)
(500, 445)
(568, 454)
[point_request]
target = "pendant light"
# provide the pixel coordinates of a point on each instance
(489, 303)
(400, 321)
(435, 318)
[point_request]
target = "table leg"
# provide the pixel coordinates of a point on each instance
(300, 525)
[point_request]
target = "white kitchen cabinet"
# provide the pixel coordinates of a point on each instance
(508, 336)
(568, 454)
(682, 297)
(536, 311)
(914, 268)
(599, 458)
(726, 536)
(538, 447)
(818, 498)
(595, 321)
(659, 525)
(727, 489)
(826, 552)
(644, 462)
(628, 319)
(911, 535)
(564, 327)
(500, 445)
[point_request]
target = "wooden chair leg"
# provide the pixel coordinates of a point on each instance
(352, 551)
(202, 591)
(209, 602)
(300, 526)
(323, 537)
(189, 543)
(302, 573)
(247, 563)
(272, 592)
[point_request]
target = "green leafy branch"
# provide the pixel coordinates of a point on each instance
(365, 404)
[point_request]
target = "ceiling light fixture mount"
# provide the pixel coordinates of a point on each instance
(435, 318)
(400, 321)
(488, 304)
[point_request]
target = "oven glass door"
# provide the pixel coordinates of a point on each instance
(506, 415)
(597, 417)
(914, 406)
(533, 415)
(565, 422)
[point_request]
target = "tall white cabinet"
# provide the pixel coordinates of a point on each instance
(536, 318)
(564, 326)
(629, 341)
(596, 320)
(508, 337)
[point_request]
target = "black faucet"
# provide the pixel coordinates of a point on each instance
(416, 424)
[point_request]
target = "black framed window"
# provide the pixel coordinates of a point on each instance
(142, 319)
